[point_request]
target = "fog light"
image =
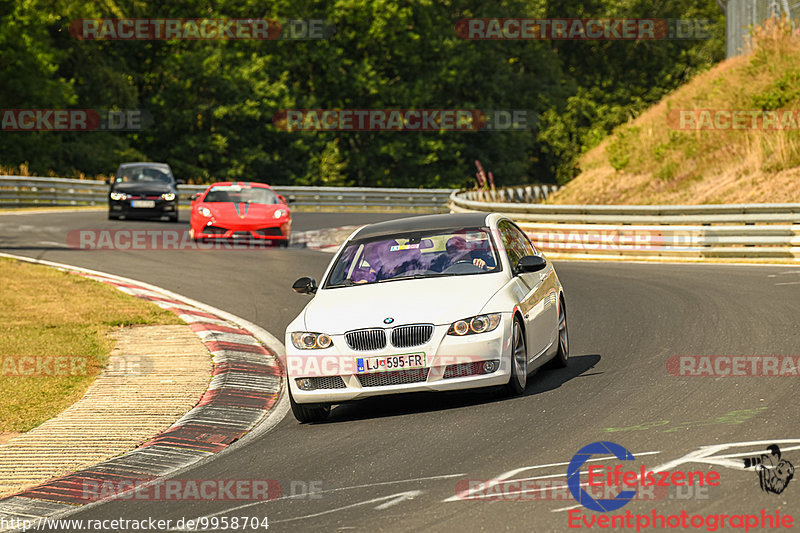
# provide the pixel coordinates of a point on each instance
(489, 366)
(304, 384)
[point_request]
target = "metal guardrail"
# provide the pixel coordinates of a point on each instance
(21, 191)
(528, 194)
(737, 231)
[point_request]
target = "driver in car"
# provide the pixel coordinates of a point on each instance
(456, 250)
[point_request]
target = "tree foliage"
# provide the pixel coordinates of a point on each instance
(212, 102)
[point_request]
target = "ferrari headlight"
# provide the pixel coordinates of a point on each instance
(118, 195)
(168, 196)
(206, 212)
(279, 213)
(475, 324)
(304, 340)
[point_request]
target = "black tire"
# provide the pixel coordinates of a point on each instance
(173, 217)
(309, 413)
(561, 359)
(518, 379)
(112, 216)
(283, 243)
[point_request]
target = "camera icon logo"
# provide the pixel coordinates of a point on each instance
(774, 472)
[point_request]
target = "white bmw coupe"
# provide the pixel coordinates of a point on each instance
(428, 303)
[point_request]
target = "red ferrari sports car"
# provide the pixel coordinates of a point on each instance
(241, 211)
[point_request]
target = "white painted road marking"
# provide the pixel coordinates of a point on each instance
(470, 494)
(393, 500)
(366, 485)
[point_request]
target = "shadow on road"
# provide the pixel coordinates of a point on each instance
(405, 404)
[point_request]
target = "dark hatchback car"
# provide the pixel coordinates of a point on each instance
(143, 190)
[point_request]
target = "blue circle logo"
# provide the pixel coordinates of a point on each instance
(574, 476)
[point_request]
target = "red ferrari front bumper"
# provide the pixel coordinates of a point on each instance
(216, 230)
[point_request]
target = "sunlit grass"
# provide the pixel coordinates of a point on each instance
(46, 312)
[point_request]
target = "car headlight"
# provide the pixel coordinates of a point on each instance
(475, 324)
(206, 212)
(279, 213)
(168, 196)
(118, 195)
(304, 340)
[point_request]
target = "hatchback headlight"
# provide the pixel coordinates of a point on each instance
(475, 324)
(118, 195)
(279, 213)
(304, 340)
(168, 196)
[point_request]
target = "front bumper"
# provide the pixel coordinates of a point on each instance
(452, 363)
(161, 208)
(278, 231)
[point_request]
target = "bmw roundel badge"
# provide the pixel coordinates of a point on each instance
(388, 320)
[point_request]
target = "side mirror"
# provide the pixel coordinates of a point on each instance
(305, 285)
(531, 263)
(195, 196)
(282, 199)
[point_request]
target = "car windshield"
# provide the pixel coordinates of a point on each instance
(143, 175)
(241, 194)
(456, 252)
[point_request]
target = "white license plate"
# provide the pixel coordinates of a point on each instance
(390, 362)
(143, 203)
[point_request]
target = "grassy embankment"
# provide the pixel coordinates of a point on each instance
(651, 160)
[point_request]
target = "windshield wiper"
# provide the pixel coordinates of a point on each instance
(412, 276)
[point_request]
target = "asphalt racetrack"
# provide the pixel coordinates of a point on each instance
(404, 463)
